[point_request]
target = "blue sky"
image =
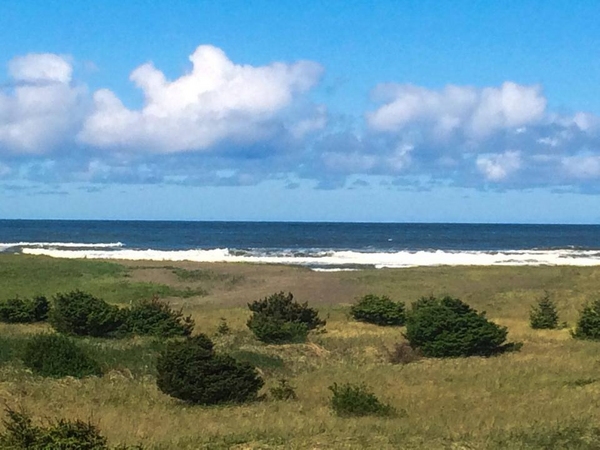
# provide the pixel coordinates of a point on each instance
(257, 110)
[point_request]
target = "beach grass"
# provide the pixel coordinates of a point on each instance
(542, 397)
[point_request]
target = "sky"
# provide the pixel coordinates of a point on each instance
(371, 111)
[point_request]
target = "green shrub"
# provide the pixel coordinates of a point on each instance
(57, 356)
(156, 318)
(223, 328)
(279, 318)
(284, 390)
(447, 327)
(588, 324)
(82, 314)
(191, 371)
(350, 400)
(23, 310)
(21, 434)
(378, 310)
(544, 315)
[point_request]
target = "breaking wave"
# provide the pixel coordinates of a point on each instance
(318, 259)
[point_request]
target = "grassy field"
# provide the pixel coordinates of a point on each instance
(547, 396)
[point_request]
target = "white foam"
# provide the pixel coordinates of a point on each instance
(58, 245)
(343, 259)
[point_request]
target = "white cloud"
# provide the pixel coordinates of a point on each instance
(42, 108)
(499, 166)
(582, 166)
(216, 101)
(476, 113)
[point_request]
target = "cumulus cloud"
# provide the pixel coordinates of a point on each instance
(41, 108)
(475, 113)
(216, 101)
(498, 167)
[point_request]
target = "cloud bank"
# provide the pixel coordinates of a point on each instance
(227, 123)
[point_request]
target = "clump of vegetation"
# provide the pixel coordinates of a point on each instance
(354, 400)
(378, 310)
(21, 434)
(155, 317)
(223, 328)
(278, 319)
(284, 390)
(447, 327)
(82, 314)
(24, 310)
(403, 353)
(544, 315)
(57, 356)
(191, 371)
(588, 324)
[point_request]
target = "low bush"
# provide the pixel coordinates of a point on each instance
(190, 370)
(356, 400)
(284, 390)
(378, 310)
(447, 327)
(588, 324)
(278, 318)
(544, 315)
(403, 353)
(23, 310)
(156, 318)
(57, 356)
(223, 328)
(82, 314)
(21, 434)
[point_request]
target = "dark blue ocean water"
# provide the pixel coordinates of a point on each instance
(365, 237)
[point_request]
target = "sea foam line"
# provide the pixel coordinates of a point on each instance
(342, 259)
(57, 245)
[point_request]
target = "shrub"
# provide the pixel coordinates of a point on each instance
(279, 318)
(356, 400)
(447, 327)
(56, 356)
(284, 391)
(82, 314)
(21, 434)
(191, 371)
(22, 310)
(223, 328)
(588, 324)
(156, 318)
(378, 310)
(544, 314)
(403, 353)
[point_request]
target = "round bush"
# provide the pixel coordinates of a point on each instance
(156, 318)
(82, 314)
(278, 318)
(447, 327)
(57, 356)
(23, 310)
(378, 310)
(356, 400)
(191, 371)
(588, 324)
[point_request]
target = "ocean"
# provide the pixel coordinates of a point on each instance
(320, 246)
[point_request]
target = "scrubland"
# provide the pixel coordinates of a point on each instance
(546, 396)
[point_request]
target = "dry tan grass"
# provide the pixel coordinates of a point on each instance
(472, 403)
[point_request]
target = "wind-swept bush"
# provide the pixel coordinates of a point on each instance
(447, 327)
(278, 318)
(588, 324)
(378, 310)
(191, 371)
(82, 314)
(156, 318)
(352, 400)
(24, 310)
(544, 315)
(57, 356)
(20, 433)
